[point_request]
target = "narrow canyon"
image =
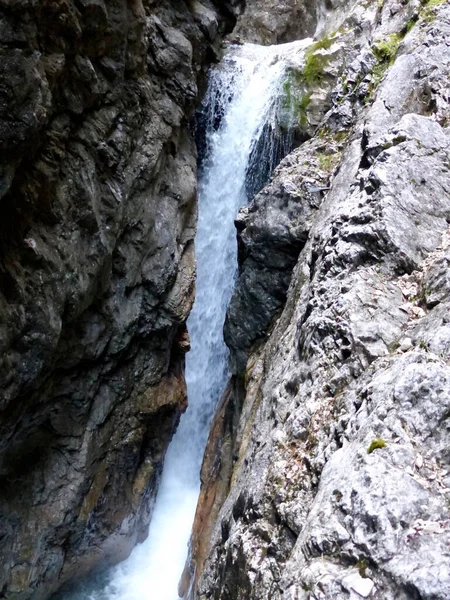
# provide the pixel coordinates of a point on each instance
(224, 285)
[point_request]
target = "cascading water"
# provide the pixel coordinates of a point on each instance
(240, 116)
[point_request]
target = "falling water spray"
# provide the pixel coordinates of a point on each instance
(243, 142)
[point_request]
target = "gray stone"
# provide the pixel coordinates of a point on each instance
(339, 419)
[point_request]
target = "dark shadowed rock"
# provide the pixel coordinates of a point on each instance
(97, 218)
(272, 231)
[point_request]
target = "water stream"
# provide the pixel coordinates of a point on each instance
(242, 142)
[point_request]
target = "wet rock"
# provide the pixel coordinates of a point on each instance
(97, 218)
(272, 231)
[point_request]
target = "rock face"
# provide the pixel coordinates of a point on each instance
(270, 22)
(327, 473)
(273, 229)
(97, 217)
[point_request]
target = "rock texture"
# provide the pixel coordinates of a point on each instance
(327, 473)
(97, 217)
(270, 22)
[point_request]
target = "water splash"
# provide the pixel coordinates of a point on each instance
(240, 112)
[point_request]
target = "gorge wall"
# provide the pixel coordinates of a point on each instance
(97, 218)
(270, 22)
(327, 471)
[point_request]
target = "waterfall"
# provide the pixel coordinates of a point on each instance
(243, 139)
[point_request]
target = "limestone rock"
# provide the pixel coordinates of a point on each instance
(97, 218)
(269, 22)
(331, 476)
(272, 231)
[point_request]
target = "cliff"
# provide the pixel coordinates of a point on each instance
(270, 22)
(326, 474)
(97, 269)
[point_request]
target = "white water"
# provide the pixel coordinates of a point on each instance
(245, 88)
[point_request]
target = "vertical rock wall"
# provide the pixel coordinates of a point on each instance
(277, 21)
(97, 269)
(327, 473)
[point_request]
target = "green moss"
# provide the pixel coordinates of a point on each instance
(323, 44)
(298, 82)
(305, 101)
(362, 565)
(294, 79)
(315, 62)
(411, 23)
(314, 70)
(385, 50)
(427, 13)
(393, 346)
(376, 444)
(295, 100)
(325, 133)
(302, 108)
(434, 3)
(327, 162)
(341, 136)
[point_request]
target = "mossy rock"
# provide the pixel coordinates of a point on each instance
(296, 100)
(299, 84)
(385, 52)
(376, 444)
(427, 13)
(316, 61)
(328, 162)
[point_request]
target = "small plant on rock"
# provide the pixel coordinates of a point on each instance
(385, 52)
(376, 444)
(362, 565)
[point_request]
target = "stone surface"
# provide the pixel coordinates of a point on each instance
(270, 22)
(97, 218)
(272, 231)
(327, 471)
